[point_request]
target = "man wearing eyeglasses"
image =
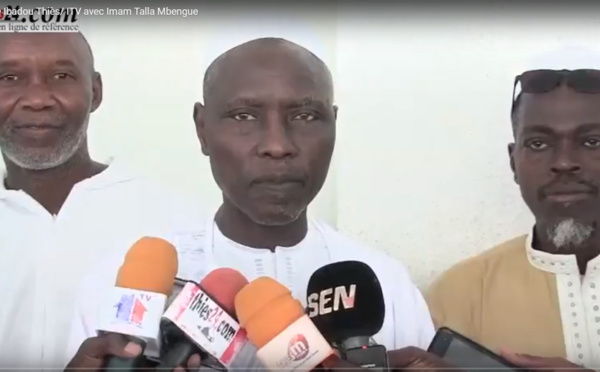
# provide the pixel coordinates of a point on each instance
(539, 294)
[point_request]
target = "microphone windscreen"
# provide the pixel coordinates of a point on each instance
(155, 250)
(265, 308)
(223, 285)
(150, 265)
(345, 300)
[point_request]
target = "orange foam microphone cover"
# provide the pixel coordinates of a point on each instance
(223, 285)
(265, 308)
(150, 265)
(154, 250)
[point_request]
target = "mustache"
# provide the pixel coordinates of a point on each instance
(572, 183)
(280, 177)
(55, 120)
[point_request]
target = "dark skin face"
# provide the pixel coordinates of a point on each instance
(556, 160)
(48, 88)
(269, 129)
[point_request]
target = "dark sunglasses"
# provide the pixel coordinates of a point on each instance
(543, 81)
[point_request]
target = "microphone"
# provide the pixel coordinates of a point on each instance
(201, 320)
(345, 302)
(276, 324)
(136, 303)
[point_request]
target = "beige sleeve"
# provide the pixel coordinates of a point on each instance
(455, 299)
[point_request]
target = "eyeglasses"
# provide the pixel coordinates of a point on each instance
(543, 81)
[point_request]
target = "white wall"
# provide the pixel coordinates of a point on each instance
(421, 168)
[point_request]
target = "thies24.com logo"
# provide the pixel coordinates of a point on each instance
(10, 13)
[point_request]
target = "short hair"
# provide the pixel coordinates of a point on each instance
(514, 112)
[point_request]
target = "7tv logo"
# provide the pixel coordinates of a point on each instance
(2, 14)
(130, 309)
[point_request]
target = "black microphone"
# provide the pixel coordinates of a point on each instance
(345, 302)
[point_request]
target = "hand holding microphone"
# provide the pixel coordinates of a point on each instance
(130, 314)
(201, 320)
(414, 358)
(94, 351)
(144, 282)
(532, 362)
(129, 323)
(398, 360)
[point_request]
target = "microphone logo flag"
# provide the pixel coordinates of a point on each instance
(297, 350)
(204, 321)
(330, 300)
(135, 313)
(298, 347)
(130, 309)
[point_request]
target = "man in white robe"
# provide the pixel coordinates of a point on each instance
(268, 126)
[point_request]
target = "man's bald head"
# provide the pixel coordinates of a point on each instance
(90, 53)
(262, 51)
(76, 40)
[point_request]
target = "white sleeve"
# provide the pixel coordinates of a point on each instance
(82, 328)
(412, 320)
(83, 325)
(426, 327)
(100, 277)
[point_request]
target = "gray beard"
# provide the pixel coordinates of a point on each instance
(281, 217)
(569, 234)
(52, 158)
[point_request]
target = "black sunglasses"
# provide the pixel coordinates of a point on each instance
(543, 81)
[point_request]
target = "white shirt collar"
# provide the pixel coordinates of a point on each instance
(116, 172)
(556, 263)
(306, 243)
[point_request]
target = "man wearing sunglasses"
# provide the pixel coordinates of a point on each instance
(539, 294)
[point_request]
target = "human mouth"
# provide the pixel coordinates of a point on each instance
(569, 197)
(36, 130)
(279, 185)
(569, 194)
(283, 186)
(279, 179)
